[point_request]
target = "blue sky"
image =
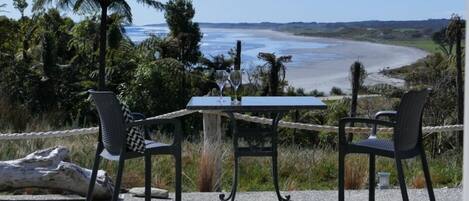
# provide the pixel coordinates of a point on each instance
(300, 10)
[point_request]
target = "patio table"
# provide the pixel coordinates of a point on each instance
(276, 106)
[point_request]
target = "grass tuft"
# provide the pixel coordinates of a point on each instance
(355, 172)
(206, 172)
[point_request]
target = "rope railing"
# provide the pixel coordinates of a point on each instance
(333, 129)
(48, 134)
(244, 117)
(330, 98)
(175, 114)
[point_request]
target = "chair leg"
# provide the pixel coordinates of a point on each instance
(177, 158)
(117, 186)
(400, 174)
(94, 173)
(371, 178)
(426, 172)
(147, 177)
(341, 175)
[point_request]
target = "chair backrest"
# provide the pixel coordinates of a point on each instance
(408, 130)
(111, 120)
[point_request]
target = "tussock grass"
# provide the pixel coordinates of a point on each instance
(356, 172)
(300, 168)
(418, 181)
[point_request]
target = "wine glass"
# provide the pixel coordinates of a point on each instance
(221, 77)
(236, 79)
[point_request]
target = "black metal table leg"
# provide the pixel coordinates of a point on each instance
(236, 165)
(234, 185)
(240, 152)
(275, 122)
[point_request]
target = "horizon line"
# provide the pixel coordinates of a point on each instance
(304, 22)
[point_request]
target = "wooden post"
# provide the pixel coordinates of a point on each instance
(237, 62)
(212, 145)
(356, 69)
(465, 177)
(459, 82)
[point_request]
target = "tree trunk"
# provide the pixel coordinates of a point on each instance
(102, 48)
(25, 49)
(48, 169)
(274, 79)
(459, 85)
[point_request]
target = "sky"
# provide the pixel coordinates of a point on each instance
(297, 10)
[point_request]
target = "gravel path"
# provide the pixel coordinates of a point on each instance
(452, 194)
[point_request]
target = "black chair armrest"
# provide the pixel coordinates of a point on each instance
(385, 114)
(147, 122)
(378, 115)
(347, 120)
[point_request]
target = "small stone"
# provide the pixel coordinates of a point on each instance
(155, 192)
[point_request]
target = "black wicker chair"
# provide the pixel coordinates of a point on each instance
(112, 143)
(406, 143)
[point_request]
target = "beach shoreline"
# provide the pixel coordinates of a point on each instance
(374, 56)
(318, 63)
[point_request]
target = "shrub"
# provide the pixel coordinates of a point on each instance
(336, 91)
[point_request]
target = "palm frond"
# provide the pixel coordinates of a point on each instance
(150, 42)
(39, 4)
(122, 8)
(284, 59)
(152, 3)
(86, 6)
(268, 57)
(65, 4)
(1, 6)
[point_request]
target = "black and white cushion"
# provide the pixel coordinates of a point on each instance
(135, 135)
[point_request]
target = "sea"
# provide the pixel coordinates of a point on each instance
(317, 63)
(218, 41)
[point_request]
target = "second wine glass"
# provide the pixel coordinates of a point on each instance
(236, 79)
(221, 77)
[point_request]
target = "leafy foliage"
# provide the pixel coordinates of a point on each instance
(362, 73)
(275, 72)
(21, 5)
(183, 30)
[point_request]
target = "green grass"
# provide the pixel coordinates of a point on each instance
(299, 168)
(398, 37)
(424, 44)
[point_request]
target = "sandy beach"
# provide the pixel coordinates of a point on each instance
(324, 74)
(317, 63)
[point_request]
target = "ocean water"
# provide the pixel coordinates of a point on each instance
(317, 63)
(217, 41)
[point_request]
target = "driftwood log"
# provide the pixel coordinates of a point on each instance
(49, 168)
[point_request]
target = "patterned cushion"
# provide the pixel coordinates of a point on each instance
(135, 135)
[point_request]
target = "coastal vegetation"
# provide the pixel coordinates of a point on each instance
(48, 62)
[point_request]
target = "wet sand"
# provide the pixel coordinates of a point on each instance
(323, 74)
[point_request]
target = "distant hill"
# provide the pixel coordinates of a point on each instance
(414, 33)
(430, 25)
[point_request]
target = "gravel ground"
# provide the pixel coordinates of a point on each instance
(448, 194)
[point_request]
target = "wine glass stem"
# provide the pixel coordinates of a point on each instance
(236, 94)
(221, 94)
